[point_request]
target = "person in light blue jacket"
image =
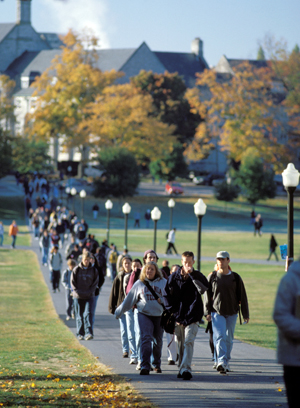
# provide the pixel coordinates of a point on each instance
(287, 318)
(66, 281)
(149, 314)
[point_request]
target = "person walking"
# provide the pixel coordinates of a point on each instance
(116, 297)
(287, 318)
(273, 246)
(149, 314)
(84, 282)
(147, 218)
(55, 265)
(66, 281)
(13, 232)
(171, 242)
(113, 258)
(120, 259)
(1, 233)
(137, 217)
(223, 299)
(182, 296)
(45, 245)
(258, 225)
(95, 210)
(172, 339)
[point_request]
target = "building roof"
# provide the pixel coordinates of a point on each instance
(20, 63)
(41, 62)
(114, 58)
(186, 64)
(5, 29)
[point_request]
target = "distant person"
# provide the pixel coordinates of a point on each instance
(55, 265)
(95, 210)
(225, 294)
(171, 242)
(113, 258)
(165, 267)
(252, 217)
(147, 218)
(137, 217)
(45, 242)
(13, 232)
(273, 246)
(1, 233)
(258, 225)
(75, 253)
(172, 339)
(66, 281)
(119, 261)
(287, 318)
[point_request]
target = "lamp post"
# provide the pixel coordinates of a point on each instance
(155, 215)
(108, 206)
(290, 179)
(82, 196)
(171, 205)
(126, 210)
(200, 210)
(68, 192)
(73, 193)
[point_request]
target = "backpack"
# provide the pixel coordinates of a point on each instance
(167, 235)
(113, 257)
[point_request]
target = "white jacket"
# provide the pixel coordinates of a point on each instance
(140, 296)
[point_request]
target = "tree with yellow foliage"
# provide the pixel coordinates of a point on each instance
(241, 112)
(121, 116)
(63, 91)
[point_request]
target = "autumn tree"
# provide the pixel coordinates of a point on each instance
(171, 166)
(241, 112)
(29, 155)
(122, 116)
(64, 89)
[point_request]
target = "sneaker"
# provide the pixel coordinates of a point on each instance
(221, 368)
(215, 366)
(138, 367)
(133, 361)
(89, 337)
(144, 371)
(80, 337)
(186, 375)
(228, 369)
(73, 316)
(151, 367)
(171, 362)
(179, 375)
(157, 370)
(125, 355)
(68, 318)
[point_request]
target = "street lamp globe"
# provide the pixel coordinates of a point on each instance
(126, 208)
(155, 214)
(171, 203)
(73, 191)
(290, 176)
(200, 207)
(82, 194)
(68, 190)
(108, 205)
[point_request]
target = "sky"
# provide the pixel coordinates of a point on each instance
(234, 28)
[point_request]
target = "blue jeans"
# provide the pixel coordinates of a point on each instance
(151, 340)
(69, 302)
(36, 232)
(82, 309)
(45, 252)
(1, 239)
(131, 332)
(13, 242)
(93, 308)
(124, 336)
(223, 332)
(137, 334)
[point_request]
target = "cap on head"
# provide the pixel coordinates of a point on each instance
(149, 251)
(223, 254)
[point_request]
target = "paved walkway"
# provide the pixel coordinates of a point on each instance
(254, 382)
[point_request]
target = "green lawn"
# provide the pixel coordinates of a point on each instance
(42, 364)
(12, 208)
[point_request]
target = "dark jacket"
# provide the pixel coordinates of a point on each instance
(117, 294)
(84, 281)
(182, 297)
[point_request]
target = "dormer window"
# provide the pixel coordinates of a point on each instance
(24, 82)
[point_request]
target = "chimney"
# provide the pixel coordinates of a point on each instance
(23, 11)
(197, 47)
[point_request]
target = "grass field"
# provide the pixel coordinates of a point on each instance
(41, 363)
(12, 208)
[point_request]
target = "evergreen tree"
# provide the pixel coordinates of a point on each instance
(261, 54)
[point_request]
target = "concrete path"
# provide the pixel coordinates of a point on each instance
(256, 379)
